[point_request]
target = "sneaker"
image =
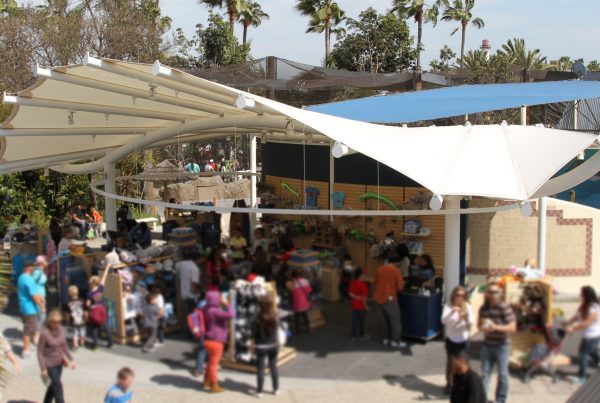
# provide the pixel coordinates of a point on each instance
(398, 344)
(259, 395)
(147, 351)
(386, 342)
(159, 344)
(575, 380)
(276, 392)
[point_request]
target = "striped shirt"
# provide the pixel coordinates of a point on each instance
(500, 314)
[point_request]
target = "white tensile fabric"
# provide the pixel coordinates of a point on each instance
(87, 109)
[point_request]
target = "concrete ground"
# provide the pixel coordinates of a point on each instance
(329, 366)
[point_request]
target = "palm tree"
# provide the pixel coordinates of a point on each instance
(462, 12)
(421, 12)
(233, 7)
(251, 15)
(564, 63)
(519, 55)
(325, 16)
(593, 65)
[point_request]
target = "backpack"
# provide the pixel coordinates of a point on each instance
(97, 315)
(195, 322)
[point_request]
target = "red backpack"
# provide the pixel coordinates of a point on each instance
(97, 315)
(195, 321)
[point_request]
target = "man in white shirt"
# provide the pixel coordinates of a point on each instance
(189, 280)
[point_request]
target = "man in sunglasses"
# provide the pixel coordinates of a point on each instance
(496, 321)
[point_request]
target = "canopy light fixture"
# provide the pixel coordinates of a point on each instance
(436, 202)
(243, 102)
(339, 150)
(160, 70)
(526, 209)
(90, 60)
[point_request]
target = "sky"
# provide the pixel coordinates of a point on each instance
(557, 27)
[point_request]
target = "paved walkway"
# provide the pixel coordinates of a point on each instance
(329, 366)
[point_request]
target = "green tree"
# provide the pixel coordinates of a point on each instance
(232, 7)
(445, 62)
(519, 55)
(593, 65)
(9, 7)
(488, 69)
(325, 16)
(461, 11)
(217, 44)
(563, 63)
(422, 12)
(252, 15)
(375, 43)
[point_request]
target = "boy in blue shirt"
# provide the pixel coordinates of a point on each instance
(31, 304)
(121, 391)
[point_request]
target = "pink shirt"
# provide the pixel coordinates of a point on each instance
(300, 292)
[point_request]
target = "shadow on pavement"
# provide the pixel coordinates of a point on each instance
(428, 390)
(183, 382)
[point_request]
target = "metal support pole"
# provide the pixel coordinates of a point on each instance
(253, 198)
(110, 205)
(541, 247)
(451, 246)
(575, 115)
(331, 178)
(523, 115)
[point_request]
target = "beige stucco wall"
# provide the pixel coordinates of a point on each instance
(498, 241)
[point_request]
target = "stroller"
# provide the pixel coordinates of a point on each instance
(542, 356)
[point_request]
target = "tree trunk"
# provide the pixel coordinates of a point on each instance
(462, 45)
(327, 37)
(231, 13)
(419, 40)
(245, 33)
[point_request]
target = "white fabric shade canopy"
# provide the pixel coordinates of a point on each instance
(110, 108)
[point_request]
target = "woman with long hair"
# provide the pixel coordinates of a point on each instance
(53, 354)
(266, 345)
(300, 289)
(586, 320)
(457, 318)
(217, 315)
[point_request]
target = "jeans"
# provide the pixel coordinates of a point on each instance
(151, 340)
(214, 350)
(491, 355)
(453, 350)
(96, 333)
(82, 226)
(301, 319)
(160, 330)
(261, 357)
(200, 356)
(389, 321)
(358, 323)
(55, 389)
(587, 348)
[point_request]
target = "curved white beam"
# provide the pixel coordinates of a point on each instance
(572, 178)
(77, 131)
(35, 163)
(265, 122)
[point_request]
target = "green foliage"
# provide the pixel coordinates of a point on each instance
(251, 16)
(488, 70)
(232, 7)
(447, 55)
(593, 65)
(461, 11)
(516, 50)
(218, 44)
(422, 11)
(376, 43)
(325, 17)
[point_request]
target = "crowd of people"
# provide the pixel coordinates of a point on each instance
(209, 314)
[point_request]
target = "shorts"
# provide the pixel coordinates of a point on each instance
(30, 325)
(78, 331)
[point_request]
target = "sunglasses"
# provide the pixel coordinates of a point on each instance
(494, 292)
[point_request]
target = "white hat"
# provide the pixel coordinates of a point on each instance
(211, 160)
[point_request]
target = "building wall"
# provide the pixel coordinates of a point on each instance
(500, 240)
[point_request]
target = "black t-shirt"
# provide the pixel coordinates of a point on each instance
(79, 214)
